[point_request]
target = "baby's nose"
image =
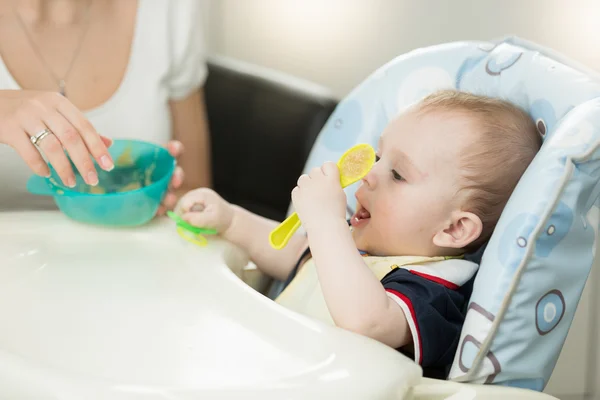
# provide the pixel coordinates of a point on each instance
(370, 179)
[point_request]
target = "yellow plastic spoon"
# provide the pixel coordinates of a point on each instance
(354, 164)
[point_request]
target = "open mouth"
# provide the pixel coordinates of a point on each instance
(361, 216)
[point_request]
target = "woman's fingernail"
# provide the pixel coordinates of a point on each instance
(176, 147)
(107, 163)
(70, 182)
(92, 178)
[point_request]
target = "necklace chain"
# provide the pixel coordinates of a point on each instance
(61, 82)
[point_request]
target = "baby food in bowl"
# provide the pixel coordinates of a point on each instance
(129, 195)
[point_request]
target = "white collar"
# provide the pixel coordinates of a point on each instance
(452, 273)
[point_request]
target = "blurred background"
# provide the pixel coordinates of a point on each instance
(338, 43)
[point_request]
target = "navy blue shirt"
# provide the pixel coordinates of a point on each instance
(435, 315)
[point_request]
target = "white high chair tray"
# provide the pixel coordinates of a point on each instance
(98, 313)
(140, 312)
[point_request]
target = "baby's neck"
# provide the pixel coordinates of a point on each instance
(437, 252)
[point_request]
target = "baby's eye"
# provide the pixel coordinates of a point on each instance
(397, 176)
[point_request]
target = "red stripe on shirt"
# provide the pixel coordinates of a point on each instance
(408, 303)
(443, 282)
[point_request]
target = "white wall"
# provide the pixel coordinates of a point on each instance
(337, 43)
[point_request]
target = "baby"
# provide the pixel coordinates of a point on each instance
(444, 172)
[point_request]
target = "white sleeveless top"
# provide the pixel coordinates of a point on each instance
(167, 61)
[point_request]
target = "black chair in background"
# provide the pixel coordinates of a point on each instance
(263, 125)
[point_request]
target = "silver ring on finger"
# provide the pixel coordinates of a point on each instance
(40, 136)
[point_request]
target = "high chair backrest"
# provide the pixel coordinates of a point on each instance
(538, 259)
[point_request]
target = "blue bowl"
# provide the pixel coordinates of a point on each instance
(129, 195)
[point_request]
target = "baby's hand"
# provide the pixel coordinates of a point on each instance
(204, 208)
(319, 197)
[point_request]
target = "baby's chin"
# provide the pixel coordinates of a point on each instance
(376, 246)
(363, 243)
(358, 237)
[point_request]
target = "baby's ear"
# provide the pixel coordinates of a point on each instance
(463, 229)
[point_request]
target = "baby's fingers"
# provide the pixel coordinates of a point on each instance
(188, 201)
(201, 219)
(330, 169)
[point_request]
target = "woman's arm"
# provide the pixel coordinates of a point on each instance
(190, 127)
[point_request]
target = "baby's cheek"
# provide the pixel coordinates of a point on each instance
(394, 213)
(387, 229)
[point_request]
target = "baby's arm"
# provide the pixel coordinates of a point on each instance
(355, 298)
(205, 208)
(251, 232)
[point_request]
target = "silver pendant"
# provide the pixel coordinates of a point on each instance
(61, 87)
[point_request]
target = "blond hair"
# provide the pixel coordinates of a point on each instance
(504, 143)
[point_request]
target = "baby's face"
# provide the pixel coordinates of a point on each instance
(409, 195)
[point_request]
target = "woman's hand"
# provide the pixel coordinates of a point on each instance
(176, 149)
(26, 114)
